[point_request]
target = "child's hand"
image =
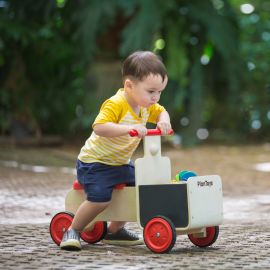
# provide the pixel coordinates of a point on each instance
(141, 129)
(164, 126)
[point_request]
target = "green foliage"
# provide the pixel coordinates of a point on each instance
(42, 81)
(54, 54)
(255, 45)
(141, 30)
(203, 33)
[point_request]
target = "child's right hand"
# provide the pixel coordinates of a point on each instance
(141, 129)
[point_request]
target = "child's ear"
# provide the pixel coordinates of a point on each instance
(128, 84)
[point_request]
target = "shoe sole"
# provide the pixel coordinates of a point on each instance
(123, 242)
(71, 245)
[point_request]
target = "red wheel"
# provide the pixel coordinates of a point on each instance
(208, 240)
(96, 234)
(59, 224)
(159, 234)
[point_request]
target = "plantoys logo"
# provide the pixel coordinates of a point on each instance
(204, 183)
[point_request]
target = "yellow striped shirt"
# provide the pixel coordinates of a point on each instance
(117, 150)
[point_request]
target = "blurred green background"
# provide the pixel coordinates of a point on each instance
(59, 60)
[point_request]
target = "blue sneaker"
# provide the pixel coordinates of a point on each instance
(122, 237)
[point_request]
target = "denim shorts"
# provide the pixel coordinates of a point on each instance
(98, 179)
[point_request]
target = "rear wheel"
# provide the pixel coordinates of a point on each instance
(59, 225)
(159, 234)
(208, 240)
(97, 233)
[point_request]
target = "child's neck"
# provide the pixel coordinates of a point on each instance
(134, 106)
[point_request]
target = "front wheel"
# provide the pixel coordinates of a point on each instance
(97, 233)
(159, 234)
(208, 240)
(59, 225)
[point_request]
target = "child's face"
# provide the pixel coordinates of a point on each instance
(147, 92)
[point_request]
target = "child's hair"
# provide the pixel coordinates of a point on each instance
(141, 64)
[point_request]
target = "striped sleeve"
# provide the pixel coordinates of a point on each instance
(154, 112)
(110, 112)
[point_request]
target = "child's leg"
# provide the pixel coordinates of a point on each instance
(116, 226)
(98, 180)
(86, 213)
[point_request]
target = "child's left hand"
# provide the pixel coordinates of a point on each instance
(164, 126)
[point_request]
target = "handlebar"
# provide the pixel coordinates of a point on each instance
(150, 132)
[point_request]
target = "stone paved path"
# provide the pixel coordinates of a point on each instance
(238, 247)
(28, 200)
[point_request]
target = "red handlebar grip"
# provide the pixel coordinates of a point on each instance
(150, 132)
(133, 133)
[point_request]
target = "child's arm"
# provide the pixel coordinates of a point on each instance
(163, 122)
(110, 129)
